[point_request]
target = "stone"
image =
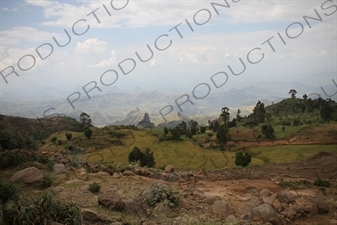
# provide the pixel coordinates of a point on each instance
(31, 176)
(221, 208)
(333, 222)
(322, 205)
(166, 211)
(277, 205)
(265, 193)
(59, 169)
(169, 169)
(128, 173)
(199, 195)
(89, 215)
(111, 200)
(270, 199)
(286, 197)
(81, 174)
(265, 213)
(100, 174)
(115, 175)
(209, 200)
(252, 190)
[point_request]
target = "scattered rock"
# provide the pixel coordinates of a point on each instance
(252, 190)
(81, 174)
(30, 175)
(89, 215)
(286, 197)
(265, 213)
(322, 205)
(169, 169)
(115, 175)
(59, 169)
(209, 200)
(166, 211)
(221, 208)
(111, 200)
(128, 173)
(199, 195)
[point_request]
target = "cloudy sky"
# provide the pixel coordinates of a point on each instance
(190, 42)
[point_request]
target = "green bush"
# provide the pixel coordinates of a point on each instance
(47, 181)
(39, 210)
(88, 133)
(242, 159)
(8, 192)
(53, 139)
(10, 158)
(158, 193)
(94, 187)
(135, 155)
(322, 183)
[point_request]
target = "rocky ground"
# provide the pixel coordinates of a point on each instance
(276, 194)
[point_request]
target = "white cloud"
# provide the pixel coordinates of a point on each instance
(4, 9)
(91, 45)
(18, 35)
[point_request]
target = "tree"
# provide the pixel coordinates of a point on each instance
(293, 93)
(238, 116)
(268, 131)
(147, 159)
(85, 120)
(242, 159)
(88, 133)
(53, 139)
(224, 114)
(222, 135)
(194, 126)
(135, 155)
(259, 112)
(166, 131)
(325, 110)
(305, 97)
(68, 136)
(202, 129)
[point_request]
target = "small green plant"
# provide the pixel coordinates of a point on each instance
(50, 165)
(68, 136)
(94, 187)
(288, 183)
(158, 193)
(322, 183)
(47, 181)
(10, 158)
(59, 142)
(8, 192)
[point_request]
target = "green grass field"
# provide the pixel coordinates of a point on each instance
(186, 154)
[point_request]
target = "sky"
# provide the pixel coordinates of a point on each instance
(190, 42)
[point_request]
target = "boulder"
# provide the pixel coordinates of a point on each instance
(30, 175)
(169, 169)
(322, 205)
(265, 213)
(111, 200)
(59, 169)
(166, 211)
(89, 215)
(128, 173)
(221, 208)
(286, 197)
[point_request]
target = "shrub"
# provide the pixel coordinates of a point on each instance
(8, 192)
(50, 165)
(53, 139)
(158, 193)
(10, 158)
(88, 133)
(94, 187)
(242, 159)
(147, 159)
(135, 155)
(68, 136)
(59, 142)
(47, 181)
(322, 183)
(70, 148)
